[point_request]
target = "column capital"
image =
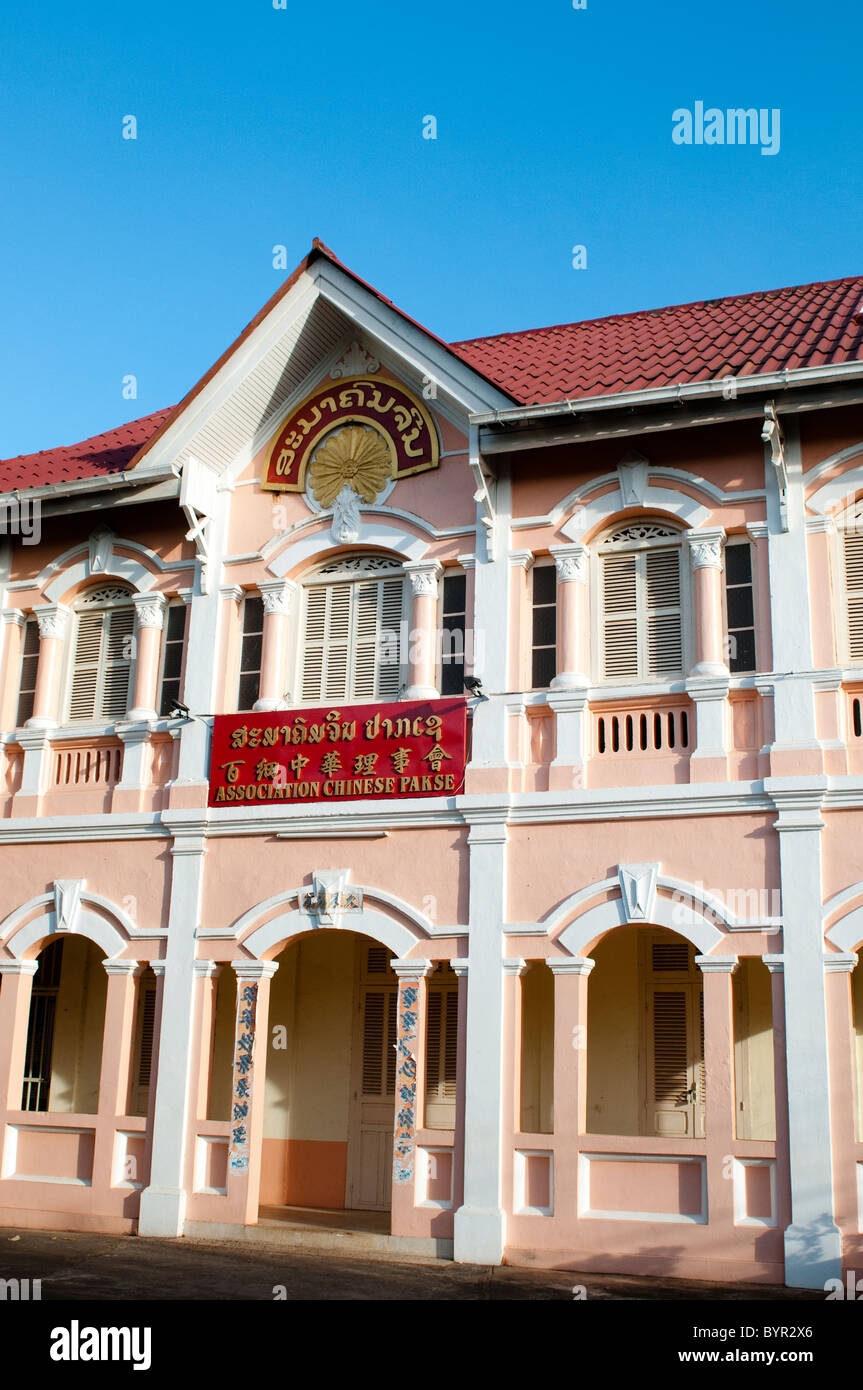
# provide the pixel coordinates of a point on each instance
(459, 965)
(521, 559)
(840, 962)
(157, 967)
(775, 964)
(53, 619)
(206, 969)
(513, 965)
(254, 969)
(571, 562)
(18, 967)
(412, 969)
(467, 562)
(230, 591)
(717, 965)
(14, 616)
(277, 595)
(705, 548)
(423, 576)
(571, 965)
(150, 610)
(121, 967)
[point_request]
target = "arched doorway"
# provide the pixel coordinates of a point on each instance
(330, 1091)
(645, 1060)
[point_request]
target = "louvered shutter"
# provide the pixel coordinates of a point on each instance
(379, 1039)
(342, 646)
(642, 614)
(388, 673)
(85, 676)
(620, 607)
(116, 633)
(854, 594)
(664, 636)
(669, 1045)
(102, 665)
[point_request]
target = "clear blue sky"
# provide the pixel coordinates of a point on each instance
(258, 126)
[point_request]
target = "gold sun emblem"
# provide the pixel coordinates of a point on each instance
(356, 457)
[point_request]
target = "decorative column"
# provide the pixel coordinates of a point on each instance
(843, 1089)
(247, 1090)
(705, 553)
(422, 648)
(719, 1073)
(13, 621)
(480, 1223)
(410, 1084)
(571, 562)
(513, 970)
(570, 1074)
(15, 991)
(775, 965)
(568, 694)
(708, 680)
(208, 972)
(53, 621)
(116, 1062)
(277, 596)
(813, 1247)
(459, 966)
(149, 621)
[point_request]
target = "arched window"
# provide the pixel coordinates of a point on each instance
(641, 602)
(102, 648)
(350, 646)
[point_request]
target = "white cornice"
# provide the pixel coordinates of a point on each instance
(676, 395)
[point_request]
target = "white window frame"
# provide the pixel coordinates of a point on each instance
(452, 572)
(598, 549)
(731, 541)
(352, 567)
(173, 603)
(79, 607)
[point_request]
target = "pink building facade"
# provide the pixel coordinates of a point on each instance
(597, 1004)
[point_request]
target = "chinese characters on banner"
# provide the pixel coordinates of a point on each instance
(413, 748)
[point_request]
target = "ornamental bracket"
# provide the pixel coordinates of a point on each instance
(771, 433)
(484, 493)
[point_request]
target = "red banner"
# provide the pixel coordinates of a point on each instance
(354, 753)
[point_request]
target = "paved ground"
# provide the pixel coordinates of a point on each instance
(122, 1268)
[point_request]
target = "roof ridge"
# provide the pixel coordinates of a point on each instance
(748, 295)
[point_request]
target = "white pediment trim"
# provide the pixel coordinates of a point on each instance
(343, 310)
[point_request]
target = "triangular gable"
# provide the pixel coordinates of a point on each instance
(248, 388)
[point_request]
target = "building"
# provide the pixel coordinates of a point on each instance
(592, 1001)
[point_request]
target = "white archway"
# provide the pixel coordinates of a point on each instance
(688, 912)
(28, 925)
(319, 543)
(369, 921)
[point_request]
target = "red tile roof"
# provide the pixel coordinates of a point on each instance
(104, 453)
(745, 335)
